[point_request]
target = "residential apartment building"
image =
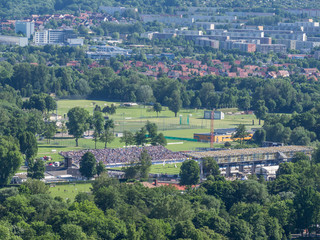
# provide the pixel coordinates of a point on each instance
(290, 44)
(238, 45)
(167, 19)
(206, 42)
(266, 48)
(183, 32)
(205, 25)
(113, 10)
(306, 46)
(283, 34)
(237, 33)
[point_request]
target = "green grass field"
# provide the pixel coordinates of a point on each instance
(69, 191)
(133, 118)
(166, 169)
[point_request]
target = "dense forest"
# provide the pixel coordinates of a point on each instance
(21, 8)
(217, 209)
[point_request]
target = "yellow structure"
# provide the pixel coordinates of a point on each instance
(220, 135)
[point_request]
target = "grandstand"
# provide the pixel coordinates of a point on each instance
(119, 157)
(252, 154)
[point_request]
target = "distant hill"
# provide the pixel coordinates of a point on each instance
(22, 8)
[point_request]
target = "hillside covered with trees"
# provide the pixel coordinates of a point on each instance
(20, 8)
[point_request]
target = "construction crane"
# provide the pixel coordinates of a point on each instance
(212, 129)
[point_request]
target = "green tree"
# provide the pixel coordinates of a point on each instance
(10, 159)
(241, 133)
(98, 122)
(140, 136)
(159, 139)
(196, 103)
(239, 230)
(109, 124)
(306, 207)
(131, 171)
(28, 145)
(144, 164)
(50, 129)
(36, 169)
(100, 168)
(261, 110)
(144, 94)
(88, 165)
(72, 232)
(152, 129)
(127, 138)
(175, 102)
(51, 104)
(316, 155)
(33, 186)
(299, 156)
(106, 137)
(301, 136)
(259, 136)
(251, 191)
(210, 167)
(157, 108)
(78, 122)
(189, 172)
(5, 233)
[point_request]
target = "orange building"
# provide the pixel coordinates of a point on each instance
(220, 135)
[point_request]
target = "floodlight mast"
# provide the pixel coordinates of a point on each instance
(212, 129)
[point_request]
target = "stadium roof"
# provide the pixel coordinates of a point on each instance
(249, 151)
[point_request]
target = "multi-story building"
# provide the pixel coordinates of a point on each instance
(250, 14)
(205, 25)
(307, 12)
(285, 28)
(240, 45)
(167, 19)
(244, 47)
(113, 10)
(53, 37)
(306, 46)
(244, 33)
(290, 44)
(206, 42)
(263, 40)
(164, 35)
(300, 24)
(277, 48)
(26, 28)
(41, 37)
(183, 32)
(106, 52)
(10, 40)
(285, 34)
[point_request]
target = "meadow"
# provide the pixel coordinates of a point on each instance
(68, 191)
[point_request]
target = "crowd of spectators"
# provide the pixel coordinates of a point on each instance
(125, 155)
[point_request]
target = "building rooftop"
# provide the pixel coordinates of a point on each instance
(249, 151)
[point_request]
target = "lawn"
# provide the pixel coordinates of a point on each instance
(170, 169)
(69, 191)
(133, 118)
